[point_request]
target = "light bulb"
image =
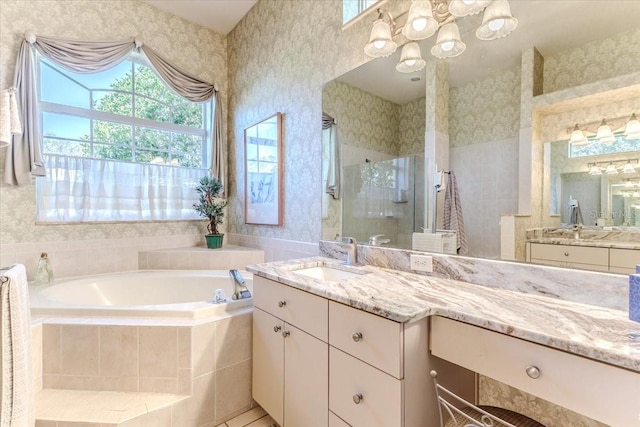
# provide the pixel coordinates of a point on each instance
(447, 46)
(379, 44)
(419, 24)
(410, 62)
(496, 24)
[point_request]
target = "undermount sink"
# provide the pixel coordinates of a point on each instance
(328, 273)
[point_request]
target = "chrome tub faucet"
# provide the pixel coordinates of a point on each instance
(240, 290)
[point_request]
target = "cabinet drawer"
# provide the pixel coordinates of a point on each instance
(299, 308)
(381, 394)
(624, 258)
(599, 391)
(335, 421)
(591, 267)
(570, 254)
(373, 339)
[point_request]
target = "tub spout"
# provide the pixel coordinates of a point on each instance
(240, 290)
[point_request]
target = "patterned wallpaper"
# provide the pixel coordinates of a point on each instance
(412, 127)
(280, 56)
(598, 60)
(192, 47)
(485, 110)
(364, 120)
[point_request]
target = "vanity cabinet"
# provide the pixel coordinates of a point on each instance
(613, 260)
(623, 261)
(582, 257)
(343, 367)
(290, 354)
(600, 391)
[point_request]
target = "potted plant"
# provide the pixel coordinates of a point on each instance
(211, 206)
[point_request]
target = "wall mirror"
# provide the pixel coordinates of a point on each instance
(606, 198)
(381, 144)
(487, 172)
(263, 172)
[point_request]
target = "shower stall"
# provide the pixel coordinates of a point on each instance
(384, 197)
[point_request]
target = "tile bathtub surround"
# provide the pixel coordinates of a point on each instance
(208, 361)
(586, 287)
(200, 258)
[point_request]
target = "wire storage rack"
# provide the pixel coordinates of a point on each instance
(457, 412)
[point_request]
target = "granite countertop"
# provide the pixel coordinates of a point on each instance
(594, 332)
(586, 242)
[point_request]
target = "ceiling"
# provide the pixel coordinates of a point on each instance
(551, 26)
(219, 15)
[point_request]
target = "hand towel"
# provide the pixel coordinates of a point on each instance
(17, 394)
(452, 214)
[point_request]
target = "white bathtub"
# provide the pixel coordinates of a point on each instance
(146, 293)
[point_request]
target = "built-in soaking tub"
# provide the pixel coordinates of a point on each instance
(186, 294)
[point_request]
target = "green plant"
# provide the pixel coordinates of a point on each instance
(209, 204)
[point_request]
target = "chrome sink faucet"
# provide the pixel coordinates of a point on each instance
(352, 252)
(377, 239)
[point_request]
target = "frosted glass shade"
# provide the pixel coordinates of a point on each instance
(497, 21)
(611, 169)
(380, 42)
(448, 44)
(628, 168)
(410, 58)
(578, 138)
(420, 21)
(467, 7)
(632, 130)
(595, 170)
(604, 133)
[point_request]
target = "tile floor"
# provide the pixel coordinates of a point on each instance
(256, 417)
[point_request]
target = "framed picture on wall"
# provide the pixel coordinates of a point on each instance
(263, 172)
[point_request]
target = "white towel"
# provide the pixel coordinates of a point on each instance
(9, 116)
(17, 393)
(452, 214)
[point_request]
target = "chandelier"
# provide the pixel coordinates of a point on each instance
(425, 18)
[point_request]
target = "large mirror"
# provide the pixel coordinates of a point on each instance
(380, 115)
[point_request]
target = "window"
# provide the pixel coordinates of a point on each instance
(120, 127)
(353, 8)
(595, 148)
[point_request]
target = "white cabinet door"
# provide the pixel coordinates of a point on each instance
(268, 363)
(306, 380)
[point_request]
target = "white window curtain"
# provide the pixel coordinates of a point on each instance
(24, 156)
(78, 189)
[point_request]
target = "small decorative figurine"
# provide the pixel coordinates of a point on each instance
(44, 273)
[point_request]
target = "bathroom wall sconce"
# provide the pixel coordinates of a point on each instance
(604, 132)
(613, 167)
(425, 18)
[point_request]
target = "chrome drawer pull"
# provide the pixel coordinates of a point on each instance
(282, 303)
(357, 336)
(357, 398)
(277, 328)
(566, 254)
(533, 372)
(285, 334)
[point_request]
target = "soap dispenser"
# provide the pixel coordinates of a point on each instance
(44, 273)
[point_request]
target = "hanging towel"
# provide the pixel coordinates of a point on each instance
(9, 116)
(452, 214)
(17, 394)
